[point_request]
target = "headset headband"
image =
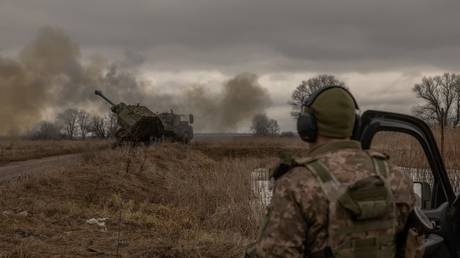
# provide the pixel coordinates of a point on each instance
(311, 99)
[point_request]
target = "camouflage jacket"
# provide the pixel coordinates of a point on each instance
(297, 219)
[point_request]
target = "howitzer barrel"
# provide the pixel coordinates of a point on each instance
(99, 93)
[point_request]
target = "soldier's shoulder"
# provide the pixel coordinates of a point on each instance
(298, 177)
(287, 165)
(299, 173)
(301, 185)
(398, 173)
(347, 160)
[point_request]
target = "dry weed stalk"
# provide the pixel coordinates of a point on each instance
(169, 201)
(406, 152)
(28, 149)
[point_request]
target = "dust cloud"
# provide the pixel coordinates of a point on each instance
(50, 73)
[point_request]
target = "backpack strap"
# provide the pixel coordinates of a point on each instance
(366, 215)
(327, 180)
(380, 161)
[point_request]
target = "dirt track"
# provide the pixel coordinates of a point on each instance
(20, 168)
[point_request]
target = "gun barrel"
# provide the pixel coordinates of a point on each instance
(99, 93)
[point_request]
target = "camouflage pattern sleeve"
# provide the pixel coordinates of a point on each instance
(285, 229)
(402, 188)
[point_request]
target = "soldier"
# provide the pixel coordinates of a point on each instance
(340, 201)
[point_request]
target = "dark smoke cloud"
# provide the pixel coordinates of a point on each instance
(22, 95)
(49, 73)
(241, 98)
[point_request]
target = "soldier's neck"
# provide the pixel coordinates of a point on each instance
(321, 140)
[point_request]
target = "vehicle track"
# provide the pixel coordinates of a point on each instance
(16, 169)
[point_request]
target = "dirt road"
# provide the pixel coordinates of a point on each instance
(34, 166)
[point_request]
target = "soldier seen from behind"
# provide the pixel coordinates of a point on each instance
(339, 201)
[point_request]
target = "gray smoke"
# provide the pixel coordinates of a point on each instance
(241, 98)
(49, 74)
(23, 94)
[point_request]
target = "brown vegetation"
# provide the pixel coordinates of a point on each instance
(167, 200)
(163, 201)
(255, 147)
(18, 150)
(406, 152)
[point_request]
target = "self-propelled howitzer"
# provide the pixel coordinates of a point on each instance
(137, 124)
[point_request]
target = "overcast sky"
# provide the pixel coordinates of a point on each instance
(379, 48)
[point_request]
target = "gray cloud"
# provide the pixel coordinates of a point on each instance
(281, 41)
(49, 74)
(314, 35)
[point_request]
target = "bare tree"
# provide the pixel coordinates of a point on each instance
(438, 94)
(306, 88)
(111, 124)
(456, 120)
(46, 131)
(273, 127)
(98, 126)
(83, 123)
(262, 125)
(68, 119)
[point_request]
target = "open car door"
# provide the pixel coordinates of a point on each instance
(443, 208)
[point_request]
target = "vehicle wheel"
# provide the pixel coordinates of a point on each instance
(122, 137)
(186, 138)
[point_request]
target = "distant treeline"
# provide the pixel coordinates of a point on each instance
(74, 123)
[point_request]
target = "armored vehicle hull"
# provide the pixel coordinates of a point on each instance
(139, 124)
(177, 127)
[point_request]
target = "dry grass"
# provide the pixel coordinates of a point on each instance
(252, 147)
(164, 201)
(259, 141)
(18, 150)
(167, 200)
(405, 151)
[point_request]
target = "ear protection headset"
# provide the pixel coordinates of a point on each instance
(307, 126)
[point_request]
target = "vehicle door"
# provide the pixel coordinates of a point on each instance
(437, 198)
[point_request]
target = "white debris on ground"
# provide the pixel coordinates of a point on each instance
(7, 213)
(261, 185)
(97, 221)
(23, 214)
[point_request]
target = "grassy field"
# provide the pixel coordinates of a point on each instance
(167, 200)
(18, 150)
(405, 151)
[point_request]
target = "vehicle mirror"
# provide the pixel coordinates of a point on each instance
(190, 118)
(422, 192)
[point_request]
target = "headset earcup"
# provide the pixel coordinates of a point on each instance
(306, 127)
(356, 128)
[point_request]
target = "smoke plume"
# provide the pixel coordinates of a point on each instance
(241, 98)
(49, 74)
(22, 95)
